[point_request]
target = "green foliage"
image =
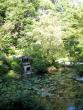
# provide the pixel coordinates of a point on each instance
(4, 66)
(40, 34)
(20, 31)
(9, 66)
(71, 46)
(39, 62)
(73, 30)
(46, 4)
(79, 69)
(17, 95)
(11, 74)
(27, 93)
(40, 66)
(15, 65)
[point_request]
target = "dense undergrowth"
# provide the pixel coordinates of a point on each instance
(38, 92)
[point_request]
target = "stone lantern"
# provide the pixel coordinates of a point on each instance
(26, 66)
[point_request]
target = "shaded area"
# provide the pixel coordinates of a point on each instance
(49, 92)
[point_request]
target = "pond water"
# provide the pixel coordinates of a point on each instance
(75, 107)
(58, 91)
(66, 104)
(71, 107)
(62, 93)
(73, 101)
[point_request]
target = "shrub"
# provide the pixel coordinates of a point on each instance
(4, 65)
(40, 66)
(8, 64)
(79, 69)
(15, 65)
(16, 94)
(12, 73)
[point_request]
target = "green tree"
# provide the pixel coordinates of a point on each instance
(72, 48)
